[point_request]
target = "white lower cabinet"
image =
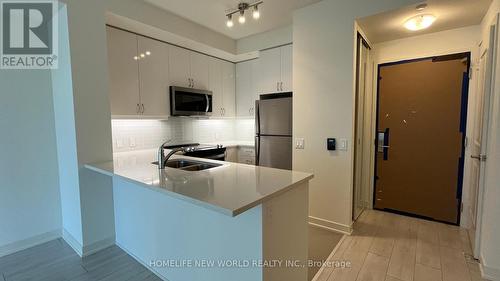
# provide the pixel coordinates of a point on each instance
(246, 155)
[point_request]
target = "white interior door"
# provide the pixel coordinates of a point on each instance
(480, 134)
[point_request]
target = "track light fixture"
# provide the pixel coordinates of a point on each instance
(242, 7)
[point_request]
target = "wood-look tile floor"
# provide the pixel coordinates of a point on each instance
(56, 261)
(389, 247)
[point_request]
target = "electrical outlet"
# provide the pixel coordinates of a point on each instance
(299, 143)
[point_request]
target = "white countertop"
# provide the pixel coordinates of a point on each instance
(230, 189)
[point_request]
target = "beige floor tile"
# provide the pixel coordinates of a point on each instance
(390, 278)
(327, 271)
(402, 262)
(453, 265)
(428, 254)
(425, 273)
(374, 268)
(321, 244)
(449, 236)
(428, 232)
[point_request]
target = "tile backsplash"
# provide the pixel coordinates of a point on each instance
(148, 134)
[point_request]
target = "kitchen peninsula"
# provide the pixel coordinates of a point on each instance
(221, 223)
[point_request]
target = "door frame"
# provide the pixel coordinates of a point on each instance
(463, 128)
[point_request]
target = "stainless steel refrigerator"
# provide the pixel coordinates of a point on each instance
(273, 126)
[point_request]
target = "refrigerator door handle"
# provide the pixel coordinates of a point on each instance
(257, 118)
(257, 150)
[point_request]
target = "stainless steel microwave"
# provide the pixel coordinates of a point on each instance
(190, 102)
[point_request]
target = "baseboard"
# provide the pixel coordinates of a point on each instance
(29, 242)
(87, 250)
(146, 265)
(72, 242)
(330, 257)
(97, 246)
(489, 273)
(330, 225)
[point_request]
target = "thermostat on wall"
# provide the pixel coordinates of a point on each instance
(330, 144)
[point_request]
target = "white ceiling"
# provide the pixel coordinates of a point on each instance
(212, 14)
(450, 14)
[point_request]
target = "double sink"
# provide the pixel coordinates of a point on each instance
(189, 165)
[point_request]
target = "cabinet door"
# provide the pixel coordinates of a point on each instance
(199, 70)
(270, 70)
(244, 95)
(153, 77)
(215, 85)
(229, 88)
(179, 64)
(123, 73)
(286, 68)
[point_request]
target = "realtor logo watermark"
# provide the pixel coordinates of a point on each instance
(28, 34)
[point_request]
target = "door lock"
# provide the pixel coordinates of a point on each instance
(480, 157)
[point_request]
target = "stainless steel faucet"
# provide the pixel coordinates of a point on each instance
(162, 159)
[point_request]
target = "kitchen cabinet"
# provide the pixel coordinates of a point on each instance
(231, 154)
(188, 69)
(179, 66)
(229, 89)
(215, 85)
(247, 81)
(199, 70)
(153, 77)
(246, 155)
(222, 85)
(275, 70)
(123, 72)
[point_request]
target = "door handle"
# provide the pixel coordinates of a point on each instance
(480, 157)
(383, 143)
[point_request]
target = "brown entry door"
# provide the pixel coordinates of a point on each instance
(419, 140)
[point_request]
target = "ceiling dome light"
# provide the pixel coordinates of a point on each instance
(229, 22)
(256, 13)
(419, 22)
(242, 18)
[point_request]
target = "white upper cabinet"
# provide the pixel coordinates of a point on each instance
(275, 70)
(199, 71)
(286, 69)
(179, 66)
(215, 85)
(247, 79)
(270, 70)
(153, 77)
(229, 89)
(123, 72)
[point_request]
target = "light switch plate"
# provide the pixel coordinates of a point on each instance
(343, 144)
(299, 143)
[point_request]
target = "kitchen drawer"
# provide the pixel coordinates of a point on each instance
(246, 152)
(247, 160)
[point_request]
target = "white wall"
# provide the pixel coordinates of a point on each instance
(458, 40)
(264, 40)
(323, 75)
(29, 194)
(490, 231)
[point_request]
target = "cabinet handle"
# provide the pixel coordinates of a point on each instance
(281, 86)
(192, 83)
(224, 111)
(143, 109)
(277, 86)
(138, 109)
